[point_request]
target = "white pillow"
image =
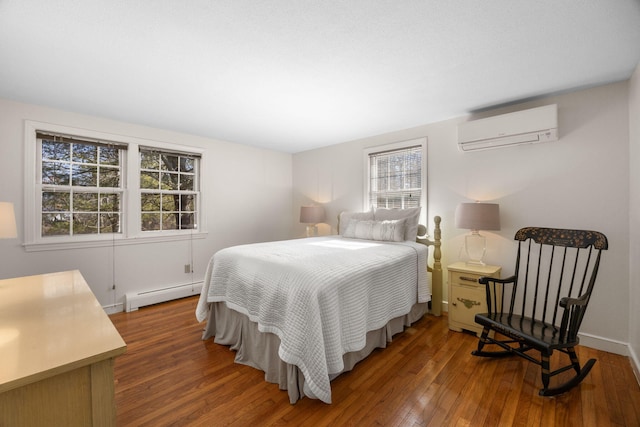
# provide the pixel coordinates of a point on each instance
(412, 216)
(389, 231)
(345, 217)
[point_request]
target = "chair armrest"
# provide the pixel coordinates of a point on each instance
(574, 309)
(490, 285)
(484, 280)
(567, 302)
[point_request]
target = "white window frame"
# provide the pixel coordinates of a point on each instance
(130, 202)
(159, 191)
(422, 142)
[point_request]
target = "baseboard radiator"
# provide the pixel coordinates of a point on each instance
(135, 300)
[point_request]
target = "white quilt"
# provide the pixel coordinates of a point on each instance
(319, 295)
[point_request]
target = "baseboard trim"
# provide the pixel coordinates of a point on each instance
(113, 308)
(635, 363)
(604, 344)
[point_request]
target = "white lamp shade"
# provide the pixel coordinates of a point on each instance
(8, 228)
(478, 216)
(311, 214)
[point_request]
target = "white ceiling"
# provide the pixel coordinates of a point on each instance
(293, 75)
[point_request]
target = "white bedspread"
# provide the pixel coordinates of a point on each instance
(319, 295)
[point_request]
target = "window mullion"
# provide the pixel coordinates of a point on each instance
(132, 207)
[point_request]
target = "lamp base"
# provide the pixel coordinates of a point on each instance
(475, 247)
(312, 230)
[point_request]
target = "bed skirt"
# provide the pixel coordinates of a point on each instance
(260, 349)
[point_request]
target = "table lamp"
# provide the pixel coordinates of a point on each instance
(8, 228)
(476, 217)
(311, 215)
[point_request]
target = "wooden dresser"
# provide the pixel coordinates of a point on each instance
(57, 350)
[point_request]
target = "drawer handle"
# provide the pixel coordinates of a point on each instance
(469, 279)
(467, 302)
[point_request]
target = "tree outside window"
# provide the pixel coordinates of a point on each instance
(168, 190)
(81, 187)
(395, 178)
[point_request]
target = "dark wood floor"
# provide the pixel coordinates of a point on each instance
(426, 377)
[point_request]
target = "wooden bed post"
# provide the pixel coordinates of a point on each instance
(436, 271)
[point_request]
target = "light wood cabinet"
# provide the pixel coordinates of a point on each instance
(57, 347)
(466, 296)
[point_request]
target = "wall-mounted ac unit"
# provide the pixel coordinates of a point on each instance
(522, 127)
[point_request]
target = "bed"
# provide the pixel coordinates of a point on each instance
(305, 310)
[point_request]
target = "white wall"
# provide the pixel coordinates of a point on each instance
(247, 192)
(580, 181)
(634, 224)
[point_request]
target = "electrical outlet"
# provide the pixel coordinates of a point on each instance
(187, 268)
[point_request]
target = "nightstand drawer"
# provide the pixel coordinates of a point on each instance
(467, 302)
(465, 279)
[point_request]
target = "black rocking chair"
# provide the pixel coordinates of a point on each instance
(555, 268)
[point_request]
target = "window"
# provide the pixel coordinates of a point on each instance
(395, 175)
(81, 186)
(86, 188)
(168, 197)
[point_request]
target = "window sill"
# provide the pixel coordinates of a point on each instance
(141, 240)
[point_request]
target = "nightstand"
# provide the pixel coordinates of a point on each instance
(466, 296)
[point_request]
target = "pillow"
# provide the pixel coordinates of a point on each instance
(345, 217)
(412, 216)
(389, 231)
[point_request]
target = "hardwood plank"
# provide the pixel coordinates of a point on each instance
(426, 377)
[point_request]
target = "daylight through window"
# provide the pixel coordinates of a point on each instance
(168, 190)
(81, 186)
(395, 178)
(88, 188)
